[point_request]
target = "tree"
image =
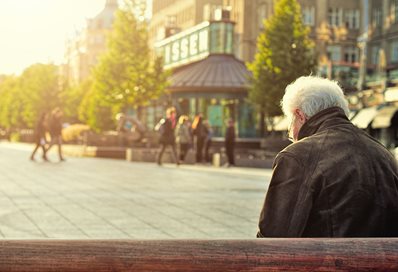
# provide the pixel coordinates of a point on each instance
(72, 97)
(23, 98)
(11, 104)
(125, 76)
(284, 52)
(95, 111)
(39, 87)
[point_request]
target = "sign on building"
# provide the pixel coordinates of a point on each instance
(196, 43)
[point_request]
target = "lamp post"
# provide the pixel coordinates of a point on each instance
(362, 44)
(324, 35)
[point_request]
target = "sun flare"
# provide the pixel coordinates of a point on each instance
(36, 30)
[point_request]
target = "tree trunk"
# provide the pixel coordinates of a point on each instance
(262, 123)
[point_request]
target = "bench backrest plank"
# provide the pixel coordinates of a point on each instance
(370, 254)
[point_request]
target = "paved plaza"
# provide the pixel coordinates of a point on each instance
(88, 198)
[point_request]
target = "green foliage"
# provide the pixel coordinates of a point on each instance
(284, 53)
(11, 103)
(23, 98)
(125, 76)
(72, 97)
(40, 91)
(96, 113)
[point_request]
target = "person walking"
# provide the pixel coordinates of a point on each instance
(40, 137)
(55, 129)
(230, 142)
(209, 134)
(334, 180)
(198, 130)
(167, 138)
(183, 137)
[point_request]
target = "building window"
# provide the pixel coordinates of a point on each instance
(99, 39)
(171, 20)
(394, 11)
(309, 16)
(394, 50)
(335, 16)
(334, 53)
(352, 19)
(377, 16)
(351, 54)
(262, 15)
(375, 54)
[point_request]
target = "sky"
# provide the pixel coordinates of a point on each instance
(33, 31)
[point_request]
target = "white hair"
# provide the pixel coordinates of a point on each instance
(313, 94)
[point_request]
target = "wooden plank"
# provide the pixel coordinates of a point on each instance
(369, 254)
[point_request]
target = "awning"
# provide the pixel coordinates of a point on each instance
(383, 117)
(282, 125)
(216, 73)
(364, 117)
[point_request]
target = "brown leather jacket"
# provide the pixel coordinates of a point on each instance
(336, 181)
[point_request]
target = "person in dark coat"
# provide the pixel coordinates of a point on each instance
(183, 137)
(167, 137)
(40, 136)
(209, 134)
(334, 180)
(55, 129)
(230, 142)
(199, 132)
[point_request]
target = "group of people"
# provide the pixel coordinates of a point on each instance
(183, 134)
(48, 124)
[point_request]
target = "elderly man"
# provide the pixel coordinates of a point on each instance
(334, 180)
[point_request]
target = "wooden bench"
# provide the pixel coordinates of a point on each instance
(370, 254)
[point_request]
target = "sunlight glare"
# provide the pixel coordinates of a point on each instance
(36, 30)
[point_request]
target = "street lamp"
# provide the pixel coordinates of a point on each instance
(324, 34)
(362, 44)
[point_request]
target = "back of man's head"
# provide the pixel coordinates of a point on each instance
(313, 94)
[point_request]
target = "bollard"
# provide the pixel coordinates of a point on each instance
(129, 154)
(217, 159)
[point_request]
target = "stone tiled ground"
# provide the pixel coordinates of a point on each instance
(86, 198)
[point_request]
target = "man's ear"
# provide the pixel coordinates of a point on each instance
(300, 116)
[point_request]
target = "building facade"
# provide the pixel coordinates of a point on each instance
(377, 101)
(334, 26)
(249, 17)
(207, 78)
(83, 50)
(382, 40)
(172, 16)
(196, 39)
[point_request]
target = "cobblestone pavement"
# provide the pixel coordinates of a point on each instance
(86, 198)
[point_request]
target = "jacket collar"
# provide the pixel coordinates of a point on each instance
(323, 120)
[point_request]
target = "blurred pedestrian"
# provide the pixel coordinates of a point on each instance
(189, 125)
(230, 142)
(55, 129)
(40, 136)
(209, 134)
(166, 129)
(183, 137)
(199, 132)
